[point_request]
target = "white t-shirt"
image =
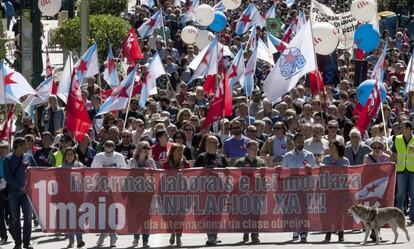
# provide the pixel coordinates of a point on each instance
(317, 148)
(117, 160)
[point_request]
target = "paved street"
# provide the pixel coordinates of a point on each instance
(268, 240)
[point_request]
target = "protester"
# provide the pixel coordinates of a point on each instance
(211, 159)
(142, 159)
(356, 150)
(176, 160)
(405, 166)
(15, 165)
(335, 158)
(277, 145)
(84, 151)
(235, 146)
(70, 161)
(53, 116)
(42, 155)
(4, 150)
(251, 160)
(299, 157)
(56, 158)
(108, 158)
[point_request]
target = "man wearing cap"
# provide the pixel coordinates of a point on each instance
(403, 151)
(15, 165)
(4, 150)
(108, 158)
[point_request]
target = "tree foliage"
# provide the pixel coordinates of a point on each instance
(102, 7)
(103, 29)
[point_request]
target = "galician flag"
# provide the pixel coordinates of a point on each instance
(235, 73)
(409, 75)
(275, 44)
(120, 96)
(249, 73)
(189, 16)
(205, 63)
(270, 13)
(43, 92)
(110, 74)
(297, 60)
(250, 17)
(148, 27)
(13, 85)
(149, 87)
(65, 80)
(88, 65)
(378, 72)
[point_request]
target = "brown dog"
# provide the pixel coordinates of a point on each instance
(375, 218)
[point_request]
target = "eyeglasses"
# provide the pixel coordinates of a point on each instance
(332, 127)
(376, 147)
(146, 148)
(188, 129)
(179, 137)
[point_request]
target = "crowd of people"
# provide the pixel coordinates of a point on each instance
(300, 131)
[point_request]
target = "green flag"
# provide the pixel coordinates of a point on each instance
(274, 26)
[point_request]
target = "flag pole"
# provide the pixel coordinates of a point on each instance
(70, 86)
(317, 70)
(410, 74)
(129, 99)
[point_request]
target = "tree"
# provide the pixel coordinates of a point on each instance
(103, 28)
(102, 7)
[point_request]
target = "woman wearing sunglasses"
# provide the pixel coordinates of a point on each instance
(142, 159)
(176, 160)
(377, 155)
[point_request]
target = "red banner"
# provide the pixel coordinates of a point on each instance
(196, 200)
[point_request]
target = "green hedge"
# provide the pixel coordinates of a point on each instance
(103, 28)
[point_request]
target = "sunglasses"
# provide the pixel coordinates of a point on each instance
(376, 147)
(251, 130)
(188, 129)
(332, 127)
(278, 128)
(235, 128)
(178, 137)
(146, 148)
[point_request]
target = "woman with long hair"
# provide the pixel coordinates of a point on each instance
(176, 160)
(70, 160)
(142, 159)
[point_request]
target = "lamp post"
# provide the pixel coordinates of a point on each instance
(37, 44)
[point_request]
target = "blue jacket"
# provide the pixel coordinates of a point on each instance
(11, 162)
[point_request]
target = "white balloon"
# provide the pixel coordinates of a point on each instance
(204, 14)
(204, 37)
(49, 7)
(325, 38)
(189, 34)
(364, 10)
(231, 4)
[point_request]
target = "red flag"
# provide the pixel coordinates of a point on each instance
(357, 109)
(5, 133)
(222, 102)
(316, 83)
(209, 84)
(130, 48)
(49, 72)
(370, 110)
(77, 117)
